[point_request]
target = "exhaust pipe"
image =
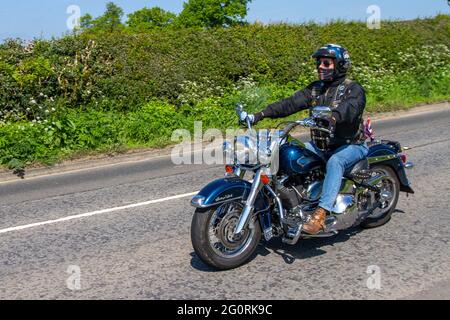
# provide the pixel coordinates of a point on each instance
(409, 165)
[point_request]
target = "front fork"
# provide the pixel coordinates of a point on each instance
(249, 204)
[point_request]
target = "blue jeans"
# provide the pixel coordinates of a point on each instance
(339, 160)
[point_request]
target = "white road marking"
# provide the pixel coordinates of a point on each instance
(90, 214)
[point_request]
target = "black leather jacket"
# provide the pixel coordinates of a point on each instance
(346, 98)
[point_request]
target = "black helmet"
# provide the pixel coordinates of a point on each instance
(340, 56)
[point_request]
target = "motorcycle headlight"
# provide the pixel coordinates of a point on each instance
(254, 148)
(245, 151)
(228, 152)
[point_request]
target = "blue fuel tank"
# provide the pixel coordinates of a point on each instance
(295, 159)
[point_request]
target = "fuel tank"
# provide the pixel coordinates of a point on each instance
(295, 159)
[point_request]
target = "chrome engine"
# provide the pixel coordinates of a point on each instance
(300, 200)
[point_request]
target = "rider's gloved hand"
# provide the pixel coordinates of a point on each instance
(244, 116)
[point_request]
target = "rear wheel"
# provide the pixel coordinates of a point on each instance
(390, 191)
(213, 238)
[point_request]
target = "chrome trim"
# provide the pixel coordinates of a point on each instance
(201, 205)
(381, 158)
(409, 165)
(294, 237)
(314, 191)
(330, 223)
(298, 232)
(342, 203)
(249, 204)
(278, 200)
(197, 201)
(376, 179)
(321, 235)
(321, 112)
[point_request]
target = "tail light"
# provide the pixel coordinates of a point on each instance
(403, 157)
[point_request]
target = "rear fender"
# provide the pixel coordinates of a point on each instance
(387, 155)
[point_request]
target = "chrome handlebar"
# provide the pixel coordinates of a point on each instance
(239, 110)
(308, 122)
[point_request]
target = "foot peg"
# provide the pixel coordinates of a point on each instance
(292, 235)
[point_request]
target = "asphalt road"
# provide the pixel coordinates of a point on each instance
(144, 252)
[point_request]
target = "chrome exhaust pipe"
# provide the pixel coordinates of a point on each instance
(409, 165)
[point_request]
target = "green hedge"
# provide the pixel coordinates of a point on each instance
(107, 92)
(122, 70)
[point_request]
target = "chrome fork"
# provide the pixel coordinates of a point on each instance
(248, 209)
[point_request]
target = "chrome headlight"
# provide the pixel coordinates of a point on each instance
(228, 152)
(253, 148)
(245, 151)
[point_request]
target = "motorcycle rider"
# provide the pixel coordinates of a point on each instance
(347, 100)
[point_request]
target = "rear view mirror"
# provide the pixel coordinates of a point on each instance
(239, 109)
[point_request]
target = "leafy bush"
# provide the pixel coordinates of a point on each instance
(122, 69)
(112, 89)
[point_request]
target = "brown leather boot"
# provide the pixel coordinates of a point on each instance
(316, 222)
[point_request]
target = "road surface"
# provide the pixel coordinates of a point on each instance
(123, 232)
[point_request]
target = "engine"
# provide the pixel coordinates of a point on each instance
(299, 194)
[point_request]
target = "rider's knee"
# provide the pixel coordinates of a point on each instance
(335, 163)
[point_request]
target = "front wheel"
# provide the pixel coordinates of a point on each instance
(390, 190)
(213, 238)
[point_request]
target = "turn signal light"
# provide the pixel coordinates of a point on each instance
(229, 169)
(265, 179)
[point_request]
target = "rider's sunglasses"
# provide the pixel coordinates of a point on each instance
(326, 63)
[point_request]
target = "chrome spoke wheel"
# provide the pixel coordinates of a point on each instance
(389, 188)
(221, 235)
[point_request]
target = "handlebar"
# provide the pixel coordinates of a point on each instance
(308, 123)
(314, 126)
(249, 125)
(239, 109)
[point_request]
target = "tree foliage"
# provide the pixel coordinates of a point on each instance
(195, 14)
(150, 18)
(99, 91)
(111, 20)
(213, 13)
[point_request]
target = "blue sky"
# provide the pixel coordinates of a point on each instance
(46, 18)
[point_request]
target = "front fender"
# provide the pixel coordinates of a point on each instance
(226, 190)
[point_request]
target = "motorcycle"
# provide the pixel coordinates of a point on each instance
(234, 214)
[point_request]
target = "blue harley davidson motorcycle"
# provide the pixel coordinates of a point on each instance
(273, 184)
